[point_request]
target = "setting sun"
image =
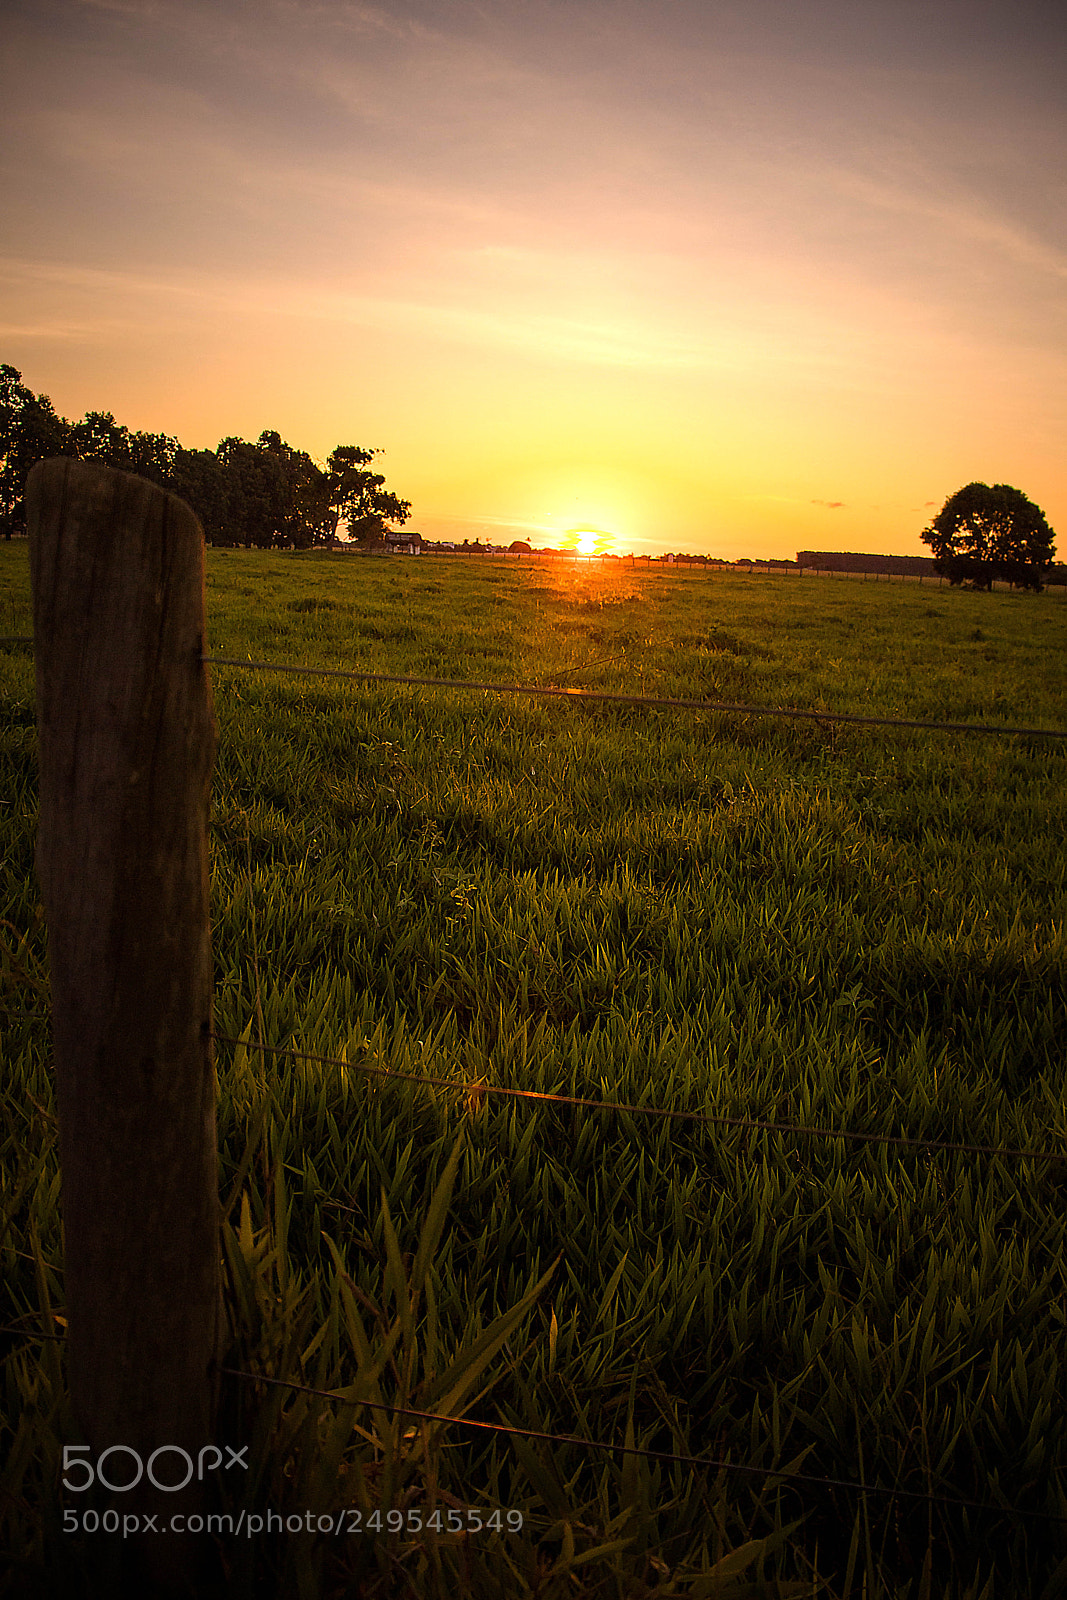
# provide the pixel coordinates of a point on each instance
(590, 541)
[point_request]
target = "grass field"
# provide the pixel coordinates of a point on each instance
(852, 927)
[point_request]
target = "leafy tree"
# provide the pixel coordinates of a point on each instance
(360, 495)
(30, 431)
(98, 437)
(263, 495)
(307, 517)
(154, 456)
(201, 480)
(278, 497)
(982, 533)
(256, 494)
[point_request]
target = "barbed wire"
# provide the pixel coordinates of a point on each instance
(610, 1448)
(664, 1112)
(661, 702)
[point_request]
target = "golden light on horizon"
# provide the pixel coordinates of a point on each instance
(733, 280)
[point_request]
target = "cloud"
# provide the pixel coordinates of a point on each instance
(48, 330)
(134, 8)
(545, 335)
(831, 505)
(969, 217)
(482, 521)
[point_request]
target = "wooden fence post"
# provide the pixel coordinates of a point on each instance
(127, 737)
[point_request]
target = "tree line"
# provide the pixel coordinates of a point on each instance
(263, 496)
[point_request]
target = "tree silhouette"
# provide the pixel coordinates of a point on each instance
(360, 496)
(307, 518)
(30, 431)
(985, 532)
(266, 495)
(201, 479)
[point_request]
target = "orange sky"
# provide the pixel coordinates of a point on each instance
(703, 275)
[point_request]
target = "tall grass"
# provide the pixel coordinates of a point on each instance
(854, 928)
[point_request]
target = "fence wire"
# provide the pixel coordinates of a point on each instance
(609, 1448)
(474, 1089)
(661, 702)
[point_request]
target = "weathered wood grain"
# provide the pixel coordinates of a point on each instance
(127, 739)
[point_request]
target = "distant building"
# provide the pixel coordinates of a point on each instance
(853, 561)
(396, 542)
(401, 542)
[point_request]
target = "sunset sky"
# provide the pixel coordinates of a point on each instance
(734, 276)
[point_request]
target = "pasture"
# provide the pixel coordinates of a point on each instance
(824, 925)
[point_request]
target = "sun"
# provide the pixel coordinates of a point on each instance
(590, 541)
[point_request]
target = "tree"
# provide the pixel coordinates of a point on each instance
(359, 495)
(982, 533)
(200, 478)
(98, 437)
(154, 456)
(307, 517)
(266, 495)
(30, 431)
(256, 494)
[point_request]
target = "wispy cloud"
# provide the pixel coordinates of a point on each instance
(754, 248)
(958, 215)
(131, 8)
(51, 332)
(632, 338)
